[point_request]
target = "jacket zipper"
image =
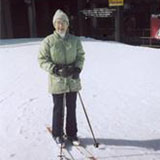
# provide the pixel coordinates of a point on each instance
(65, 59)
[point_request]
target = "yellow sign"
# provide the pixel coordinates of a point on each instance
(116, 3)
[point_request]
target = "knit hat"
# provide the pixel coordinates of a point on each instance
(59, 14)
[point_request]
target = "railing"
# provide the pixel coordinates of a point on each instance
(142, 37)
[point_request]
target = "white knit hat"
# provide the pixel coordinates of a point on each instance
(59, 14)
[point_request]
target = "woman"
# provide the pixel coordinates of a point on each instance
(62, 56)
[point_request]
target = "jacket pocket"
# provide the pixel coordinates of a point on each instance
(57, 84)
(75, 85)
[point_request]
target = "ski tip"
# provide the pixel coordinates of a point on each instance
(49, 129)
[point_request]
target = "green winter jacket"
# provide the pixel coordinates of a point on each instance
(55, 50)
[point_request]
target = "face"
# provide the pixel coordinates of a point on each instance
(61, 26)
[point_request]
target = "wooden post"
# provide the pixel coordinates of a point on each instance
(93, 21)
(32, 17)
(118, 25)
(80, 18)
(6, 30)
(1, 21)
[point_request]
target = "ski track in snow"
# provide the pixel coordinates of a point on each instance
(121, 92)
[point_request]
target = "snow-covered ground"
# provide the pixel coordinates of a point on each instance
(121, 92)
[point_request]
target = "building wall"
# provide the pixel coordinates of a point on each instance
(20, 18)
(5, 20)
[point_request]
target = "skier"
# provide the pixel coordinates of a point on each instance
(62, 56)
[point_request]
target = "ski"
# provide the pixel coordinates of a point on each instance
(64, 153)
(79, 148)
(87, 154)
(82, 150)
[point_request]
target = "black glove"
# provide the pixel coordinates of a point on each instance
(56, 69)
(63, 70)
(76, 73)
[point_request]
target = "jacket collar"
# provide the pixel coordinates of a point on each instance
(59, 37)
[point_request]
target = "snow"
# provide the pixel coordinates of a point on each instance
(121, 93)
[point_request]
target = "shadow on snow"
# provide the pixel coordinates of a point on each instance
(148, 144)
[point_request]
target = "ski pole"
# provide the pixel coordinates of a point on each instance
(62, 125)
(85, 112)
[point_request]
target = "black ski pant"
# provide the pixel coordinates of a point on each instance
(58, 114)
